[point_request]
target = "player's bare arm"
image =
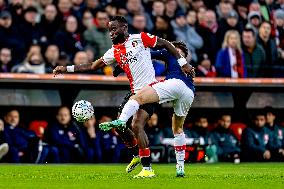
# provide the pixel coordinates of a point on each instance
(186, 67)
(79, 68)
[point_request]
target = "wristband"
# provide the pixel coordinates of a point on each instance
(182, 61)
(70, 68)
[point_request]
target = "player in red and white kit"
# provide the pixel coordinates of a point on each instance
(132, 54)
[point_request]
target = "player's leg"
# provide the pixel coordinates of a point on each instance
(181, 108)
(144, 96)
(139, 121)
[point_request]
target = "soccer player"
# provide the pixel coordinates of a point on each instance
(177, 87)
(132, 53)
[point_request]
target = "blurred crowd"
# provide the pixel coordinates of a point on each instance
(64, 141)
(227, 38)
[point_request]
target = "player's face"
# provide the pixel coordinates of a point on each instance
(180, 52)
(117, 32)
(259, 121)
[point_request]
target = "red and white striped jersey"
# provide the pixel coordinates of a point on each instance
(134, 57)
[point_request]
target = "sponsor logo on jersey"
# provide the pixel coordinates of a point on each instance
(134, 43)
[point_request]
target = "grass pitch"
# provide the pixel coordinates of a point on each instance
(255, 175)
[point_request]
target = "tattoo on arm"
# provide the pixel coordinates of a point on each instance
(162, 43)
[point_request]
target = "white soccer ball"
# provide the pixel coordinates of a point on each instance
(82, 111)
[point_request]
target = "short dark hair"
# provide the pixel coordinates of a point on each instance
(119, 19)
(269, 109)
(249, 30)
(181, 45)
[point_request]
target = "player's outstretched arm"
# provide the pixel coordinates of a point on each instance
(79, 68)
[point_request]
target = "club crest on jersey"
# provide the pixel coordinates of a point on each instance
(134, 43)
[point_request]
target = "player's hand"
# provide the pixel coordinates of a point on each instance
(266, 154)
(189, 70)
(59, 70)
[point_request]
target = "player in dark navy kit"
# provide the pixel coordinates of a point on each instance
(177, 87)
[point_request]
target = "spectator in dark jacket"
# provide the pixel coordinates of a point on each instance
(5, 60)
(21, 141)
(229, 23)
(50, 22)
(230, 60)
(199, 131)
(228, 148)
(205, 68)
(68, 39)
(208, 31)
(92, 140)
(51, 57)
(256, 140)
(269, 46)
(138, 24)
(4, 147)
(10, 36)
(163, 28)
(66, 136)
(254, 54)
(277, 135)
(30, 29)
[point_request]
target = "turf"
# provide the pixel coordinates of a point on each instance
(113, 176)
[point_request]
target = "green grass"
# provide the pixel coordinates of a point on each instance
(229, 176)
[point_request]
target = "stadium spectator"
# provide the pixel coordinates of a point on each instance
(158, 9)
(30, 29)
(163, 28)
(279, 19)
(81, 57)
(269, 46)
(16, 9)
(254, 21)
(187, 34)
(153, 130)
(34, 63)
(88, 19)
(65, 135)
(78, 6)
(68, 39)
(51, 57)
(205, 68)
(5, 60)
(230, 61)
(171, 9)
(208, 31)
(280, 4)
(4, 147)
(92, 5)
(256, 140)
(229, 23)
(50, 22)
(98, 35)
(223, 9)
(92, 140)
(197, 4)
(228, 148)
(135, 7)
(254, 54)
(242, 10)
(138, 24)
(64, 9)
(10, 36)
(276, 134)
(21, 141)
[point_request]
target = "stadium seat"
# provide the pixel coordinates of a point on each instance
(38, 127)
(237, 129)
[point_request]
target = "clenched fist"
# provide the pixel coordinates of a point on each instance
(189, 70)
(59, 70)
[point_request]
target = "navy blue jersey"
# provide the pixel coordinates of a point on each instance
(173, 68)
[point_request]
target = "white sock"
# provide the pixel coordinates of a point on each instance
(130, 108)
(179, 143)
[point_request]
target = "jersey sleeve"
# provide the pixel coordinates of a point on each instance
(159, 54)
(148, 40)
(108, 58)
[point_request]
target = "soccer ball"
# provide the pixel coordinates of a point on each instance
(82, 111)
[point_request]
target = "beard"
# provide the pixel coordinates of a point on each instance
(120, 38)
